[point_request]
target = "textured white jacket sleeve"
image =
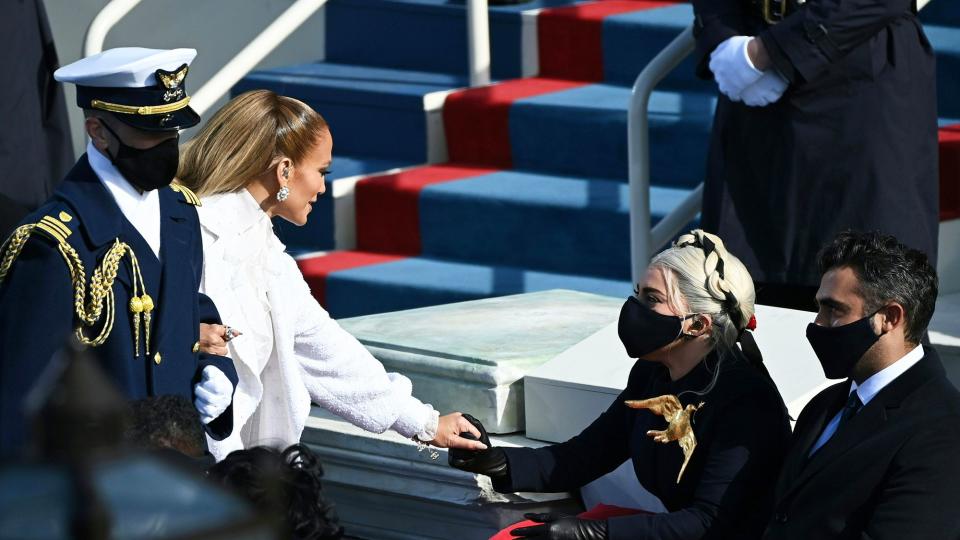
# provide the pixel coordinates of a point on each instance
(344, 378)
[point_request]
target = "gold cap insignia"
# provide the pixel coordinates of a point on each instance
(172, 79)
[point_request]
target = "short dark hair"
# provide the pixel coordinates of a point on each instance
(887, 271)
(284, 486)
(167, 421)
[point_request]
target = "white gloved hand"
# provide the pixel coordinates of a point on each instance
(214, 393)
(765, 91)
(732, 68)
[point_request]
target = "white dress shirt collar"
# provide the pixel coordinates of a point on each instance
(142, 210)
(879, 380)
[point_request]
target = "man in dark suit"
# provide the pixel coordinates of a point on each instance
(874, 456)
(115, 256)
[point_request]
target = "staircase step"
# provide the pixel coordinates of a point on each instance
(414, 282)
(321, 230)
(583, 132)
(375, 112)
(941, 12)
(423, 35)
(540, 222)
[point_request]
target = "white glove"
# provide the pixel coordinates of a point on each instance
(214, 394)
(732, 68)
(765, 91)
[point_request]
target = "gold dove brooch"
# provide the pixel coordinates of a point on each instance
(678, 419)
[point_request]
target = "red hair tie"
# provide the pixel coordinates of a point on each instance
(752, 325)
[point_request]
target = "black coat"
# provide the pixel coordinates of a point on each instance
(35, 147)
(891, 471)
(852, 144)
(37, 302)
(742, 433)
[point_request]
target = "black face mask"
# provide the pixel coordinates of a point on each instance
(839, 348)
(643, 330)
(150, 168)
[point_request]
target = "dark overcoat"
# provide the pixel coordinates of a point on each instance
(742, 432)
(852, 144)
(891, 471)
(37, 313)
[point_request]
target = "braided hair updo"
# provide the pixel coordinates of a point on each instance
(702, 277)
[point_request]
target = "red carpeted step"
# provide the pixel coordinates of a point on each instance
(387, 206)
(316, 269)
(570, 38)
(477, 120)
(950, 172)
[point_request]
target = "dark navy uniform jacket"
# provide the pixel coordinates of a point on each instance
(37, 312)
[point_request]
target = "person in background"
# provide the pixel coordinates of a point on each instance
(283, 486)
(36, 155)
(691, 384)
(166, 422)
(874, 456)
(263, 156)
(827, 121)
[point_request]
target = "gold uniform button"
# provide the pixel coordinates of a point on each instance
(157, 358)
(196, 347)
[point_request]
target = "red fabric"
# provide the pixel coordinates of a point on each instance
(950, 172)
(316, 269)
(388, 206)
(477, 120)
(570, 38)
(600, 511)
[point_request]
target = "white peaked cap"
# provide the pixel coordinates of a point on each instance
(124, 67)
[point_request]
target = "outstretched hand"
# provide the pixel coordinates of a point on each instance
(553, 527)
(449, 430)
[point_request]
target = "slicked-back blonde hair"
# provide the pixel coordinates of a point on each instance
(245, 139)
(718, 284)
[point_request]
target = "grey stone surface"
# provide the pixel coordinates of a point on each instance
(384, 488)
(472, 356)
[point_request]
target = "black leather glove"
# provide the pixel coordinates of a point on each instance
(562, 528)
(491, 462)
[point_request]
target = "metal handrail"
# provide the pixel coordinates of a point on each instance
(478, 31)
(106, 19)
(643, 239)
(478, 42)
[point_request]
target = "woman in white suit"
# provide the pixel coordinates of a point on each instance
(260, 156)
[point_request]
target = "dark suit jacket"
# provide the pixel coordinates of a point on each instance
(892, 471)
(37, 310)
(742, 434)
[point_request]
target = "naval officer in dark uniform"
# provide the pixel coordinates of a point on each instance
(115, 256)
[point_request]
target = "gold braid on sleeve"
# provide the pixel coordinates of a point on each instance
(101, 295)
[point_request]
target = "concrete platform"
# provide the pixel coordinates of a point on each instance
(472, 356)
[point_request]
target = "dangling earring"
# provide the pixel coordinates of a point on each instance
(284, 190)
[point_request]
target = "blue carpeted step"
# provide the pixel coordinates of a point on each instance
(375, 112)
(583, 132)
(941, 12)
(632, 40)
(946, 45)
(421, 281)
(548, 223)
(423, 35)
(321, 228)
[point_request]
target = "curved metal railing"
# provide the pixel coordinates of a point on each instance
(643, 238)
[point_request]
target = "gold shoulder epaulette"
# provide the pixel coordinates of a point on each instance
(97, 307)
(188, 195)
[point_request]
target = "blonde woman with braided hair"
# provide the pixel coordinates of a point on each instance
(705, 428)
